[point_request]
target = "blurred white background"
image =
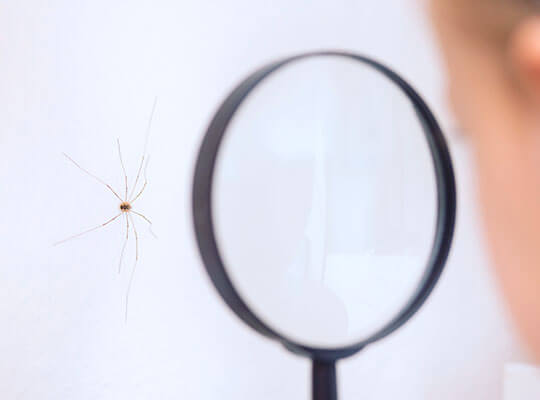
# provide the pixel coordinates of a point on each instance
(74, 76)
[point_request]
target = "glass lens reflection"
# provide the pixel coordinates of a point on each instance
(324, 201)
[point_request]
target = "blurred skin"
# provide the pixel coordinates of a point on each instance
(492, 54)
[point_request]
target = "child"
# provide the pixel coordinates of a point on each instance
(492, 53)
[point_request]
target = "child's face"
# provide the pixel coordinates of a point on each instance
(494, 90)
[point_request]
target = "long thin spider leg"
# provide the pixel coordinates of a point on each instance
(148, 128)
(134, 265)
(133, 188)
(123, 168)
(124, 246)
(87, 231)
(93, 176)
(139, 194)
(145, 181)
(147, 220)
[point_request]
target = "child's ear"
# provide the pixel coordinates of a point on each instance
(524, 53)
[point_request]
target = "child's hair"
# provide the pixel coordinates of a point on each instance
(495, 19)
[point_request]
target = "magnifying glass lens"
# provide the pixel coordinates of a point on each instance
(324, 201)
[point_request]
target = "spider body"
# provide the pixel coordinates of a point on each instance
(125, 206)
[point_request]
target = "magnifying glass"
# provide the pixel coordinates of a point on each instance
(324, 205)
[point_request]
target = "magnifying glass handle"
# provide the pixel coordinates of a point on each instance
(324, 385)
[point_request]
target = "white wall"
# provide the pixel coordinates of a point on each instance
(75, 75)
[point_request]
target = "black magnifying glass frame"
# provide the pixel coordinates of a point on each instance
(324, 372)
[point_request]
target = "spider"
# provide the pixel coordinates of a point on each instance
(125, 208)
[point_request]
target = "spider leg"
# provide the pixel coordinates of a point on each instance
(145, 181)
(124, 246)
(93, 176)
(134, 265)
(123, 168)
(148, 128)
(87, 231)
(138, 176)
(147, 220)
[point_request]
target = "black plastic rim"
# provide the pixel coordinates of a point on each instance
(203, 219)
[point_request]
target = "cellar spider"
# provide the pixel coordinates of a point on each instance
(125, 207)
